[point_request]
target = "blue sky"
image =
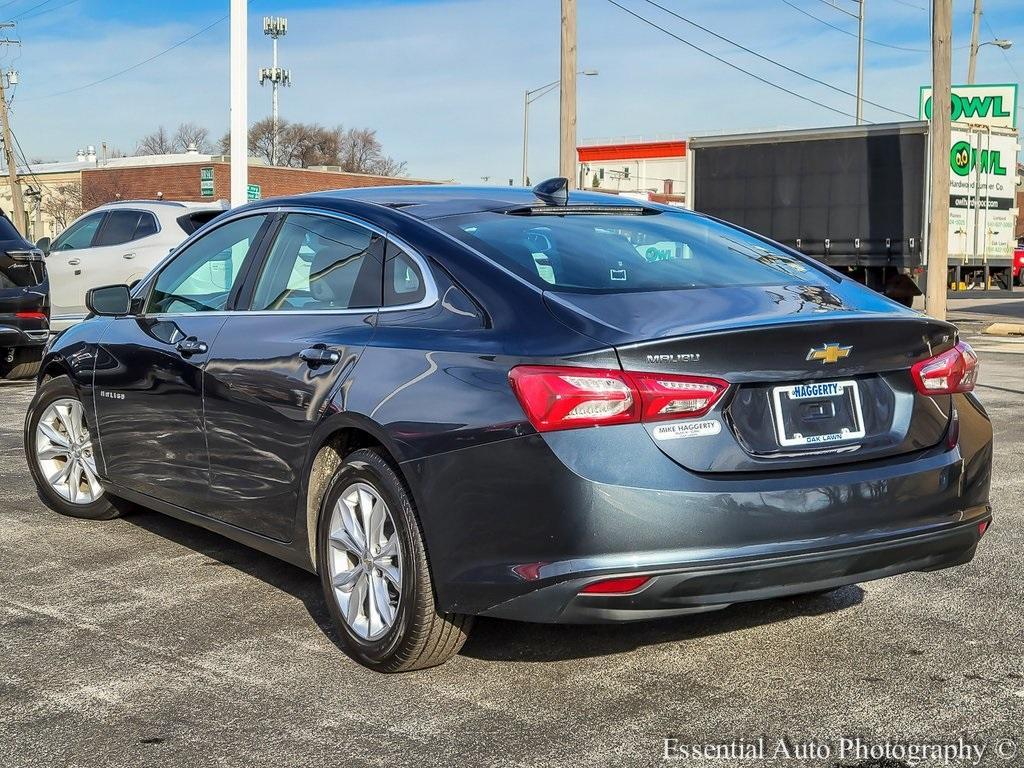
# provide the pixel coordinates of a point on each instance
(442, 81)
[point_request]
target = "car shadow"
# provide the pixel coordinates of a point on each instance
(223, 552)
(495, 639)
(499, 640)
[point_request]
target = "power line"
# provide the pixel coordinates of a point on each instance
(776, 63)
(29, 10)
(854, 34)
(729, 63)
(1001, 49)
(47, 10)
(911, 5)
(24, 159)
(134, 66)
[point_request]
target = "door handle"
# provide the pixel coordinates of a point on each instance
(319, 355)
(74, 262)
(128, 256)
(192, 346)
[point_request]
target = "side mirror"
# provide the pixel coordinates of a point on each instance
(109, 301)
(43, 244)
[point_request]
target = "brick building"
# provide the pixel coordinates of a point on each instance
(210, 179)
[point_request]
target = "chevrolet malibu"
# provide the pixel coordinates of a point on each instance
(455, 402)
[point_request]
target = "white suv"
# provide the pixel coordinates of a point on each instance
(115, 243)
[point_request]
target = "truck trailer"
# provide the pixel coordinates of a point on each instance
(853, 197)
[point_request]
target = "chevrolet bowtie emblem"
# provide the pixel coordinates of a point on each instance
(829, 353)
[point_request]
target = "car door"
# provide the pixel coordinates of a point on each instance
(149, 376)
(274, 368)
(64, 263)
(114, 255)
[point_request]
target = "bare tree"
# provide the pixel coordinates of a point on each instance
(63, 204)
(302, 145)
(104, 186)
(158, 142)
(190, 134)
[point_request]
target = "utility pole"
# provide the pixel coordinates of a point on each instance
(239, 103)
(275, 27)
(17, 201)
(939, 141)
(567, 122)
(972, 59)
(860, 62)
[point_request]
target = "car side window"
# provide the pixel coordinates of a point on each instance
(78, 235)
(320, 263)
(147, 226)
(200, 277)
(119, 227)
(403, 279)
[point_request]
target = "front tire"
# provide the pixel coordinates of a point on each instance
(374, 571)
(59, 447)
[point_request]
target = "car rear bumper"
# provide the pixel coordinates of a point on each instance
(14, 336)
(516, 527)
(695, 588)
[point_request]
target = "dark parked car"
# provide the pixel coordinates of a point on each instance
(452, 402)
(24, 304)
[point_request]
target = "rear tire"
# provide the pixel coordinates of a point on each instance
(23, 370)
(63, 450)
(382, 626)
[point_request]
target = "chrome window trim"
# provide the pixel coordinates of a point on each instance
(430, 298)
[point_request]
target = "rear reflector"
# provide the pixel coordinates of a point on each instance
(619, 586)
(30, 315)
(982, 527)
(556, 397)
(953, 371)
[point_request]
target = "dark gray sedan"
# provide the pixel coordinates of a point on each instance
(452, 402)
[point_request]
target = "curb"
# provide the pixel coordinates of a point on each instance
(1004, 329)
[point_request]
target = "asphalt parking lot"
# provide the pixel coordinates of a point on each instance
(144, 641)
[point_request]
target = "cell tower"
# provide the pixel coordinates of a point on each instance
(275, 27)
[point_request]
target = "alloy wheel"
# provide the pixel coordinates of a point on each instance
(365, 561)
(64, 452)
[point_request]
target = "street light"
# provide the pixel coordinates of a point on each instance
(528, 99)
(972, 61)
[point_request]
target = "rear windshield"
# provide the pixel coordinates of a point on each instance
(610, 253)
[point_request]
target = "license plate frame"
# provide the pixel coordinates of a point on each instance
(832, 392)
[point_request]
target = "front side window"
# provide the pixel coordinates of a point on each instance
(200, 277)
(78, 235)
(320, 263)
(616, 253)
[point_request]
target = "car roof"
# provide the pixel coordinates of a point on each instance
(431, 201)
(176, 206)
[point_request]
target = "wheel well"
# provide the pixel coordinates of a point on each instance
(326, 462)
(52, 371)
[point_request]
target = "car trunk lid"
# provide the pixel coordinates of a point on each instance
(813, 382)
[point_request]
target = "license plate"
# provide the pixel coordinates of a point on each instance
(817, 413)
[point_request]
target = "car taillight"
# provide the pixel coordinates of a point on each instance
(948, 373)
(569, 398)
(675, 397)
(30, 315)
